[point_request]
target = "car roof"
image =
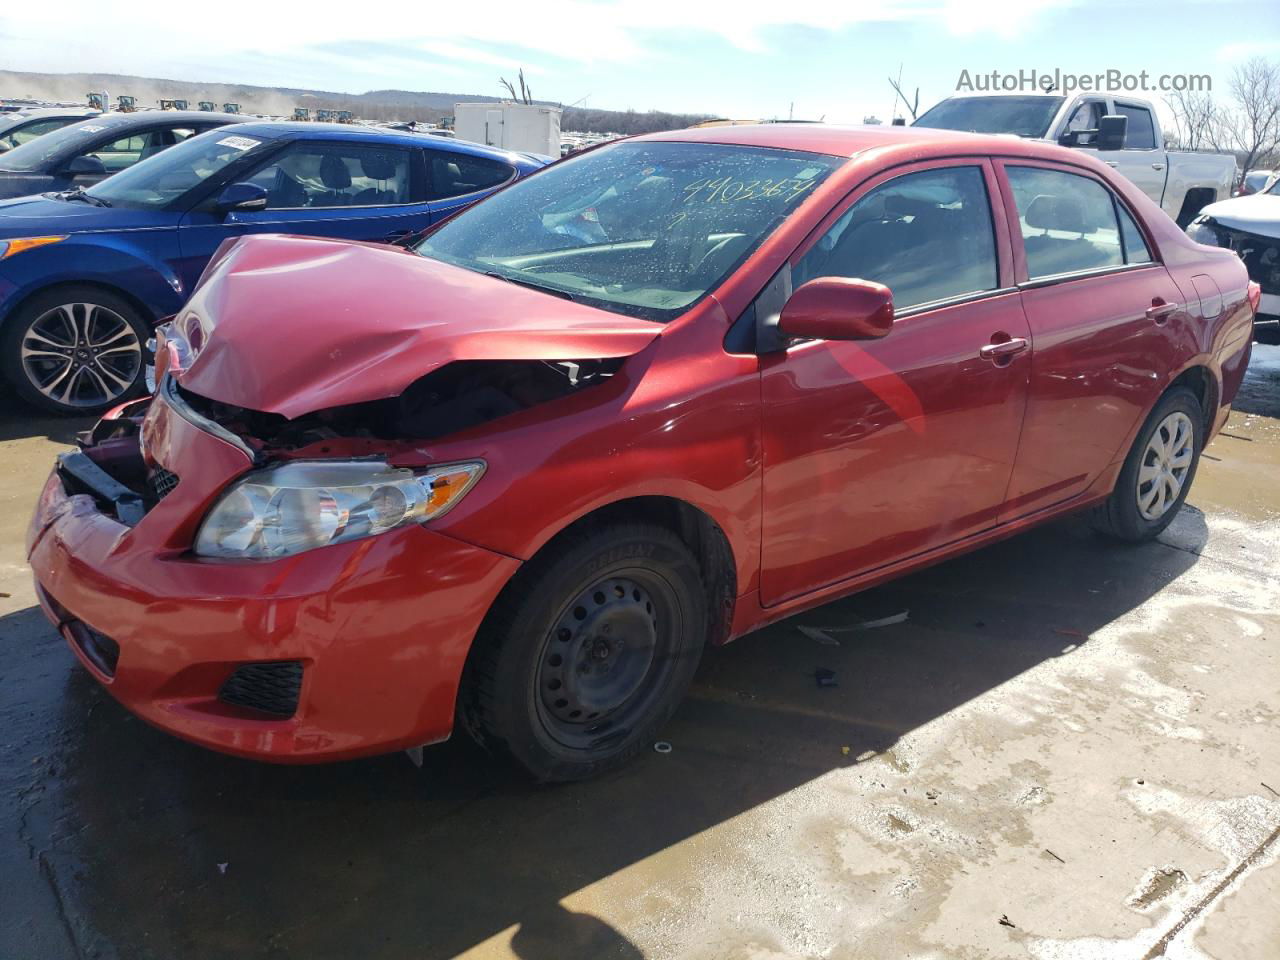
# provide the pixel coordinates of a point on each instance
(145, 118)
(304, 130)
(851, 141)
(35, 112)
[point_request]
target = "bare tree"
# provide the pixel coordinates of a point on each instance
(524, 96)
(1251, 126)
(1195, 117)
(912, 105)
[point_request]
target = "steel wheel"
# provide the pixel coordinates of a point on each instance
(606, 659)
(81, 355)
(1165, 463)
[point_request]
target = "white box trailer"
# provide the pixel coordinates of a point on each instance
(522, 127)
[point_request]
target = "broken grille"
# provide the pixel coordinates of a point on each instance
(163, 482)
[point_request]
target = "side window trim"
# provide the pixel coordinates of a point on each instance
(1022, 279)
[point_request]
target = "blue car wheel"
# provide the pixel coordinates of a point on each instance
(75, 350)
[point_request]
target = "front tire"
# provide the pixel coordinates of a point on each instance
(588, 652)
(1157, 474)
(75, 350)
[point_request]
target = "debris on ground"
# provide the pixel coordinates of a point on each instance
(932, 794)
(825, 677)
(1068, 632)
(882, 622)
(1054, 855)
(824, 636)
(1006, 922)
(662, 747)
(821, 636)
(222, 867)
(844, 751)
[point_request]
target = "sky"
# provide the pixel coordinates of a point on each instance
(821, 59)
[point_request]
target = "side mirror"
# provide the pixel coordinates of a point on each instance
(242, 196)
(85, 166)
(1111, 132)
(838, 308)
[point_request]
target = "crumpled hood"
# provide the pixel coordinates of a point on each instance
(1259, 214)
(294, 324)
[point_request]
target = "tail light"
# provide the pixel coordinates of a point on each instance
(1255, 296)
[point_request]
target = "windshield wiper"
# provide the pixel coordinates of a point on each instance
(78, 193)
(555, 292)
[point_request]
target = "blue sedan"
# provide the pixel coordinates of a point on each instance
(86, 274)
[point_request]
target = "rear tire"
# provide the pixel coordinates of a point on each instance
(1157, 474)
(76, 349)
(588, 652)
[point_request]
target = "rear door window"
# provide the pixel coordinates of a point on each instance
(457, 174)
(1071, 223)
(927, 236)
(1141, 132)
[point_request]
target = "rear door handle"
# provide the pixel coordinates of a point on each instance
(1000, 351)
(1157, 166)
(1160, 312)
(1111, 163)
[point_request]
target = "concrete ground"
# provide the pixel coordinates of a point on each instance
(1070, 749)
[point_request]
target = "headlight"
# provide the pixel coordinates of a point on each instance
(312, 503)
(9, 247)
(1200, 231)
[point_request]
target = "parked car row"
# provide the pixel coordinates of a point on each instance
(90, 263)
(517, 475)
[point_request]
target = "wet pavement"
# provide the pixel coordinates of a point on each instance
(1067, 750)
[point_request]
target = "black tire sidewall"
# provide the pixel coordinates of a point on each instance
(531, 619)
(20, 320)
(1125, 520)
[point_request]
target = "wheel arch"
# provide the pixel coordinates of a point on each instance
(694, 526)
(147, 314)
(1202, 381)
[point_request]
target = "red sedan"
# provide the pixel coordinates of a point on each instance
(653, 397)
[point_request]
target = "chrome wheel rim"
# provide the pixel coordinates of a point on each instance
(1165, 465)
(81, 354)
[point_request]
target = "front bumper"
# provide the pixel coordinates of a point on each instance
(379, 627)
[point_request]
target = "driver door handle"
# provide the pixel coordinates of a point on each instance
(1003, 351)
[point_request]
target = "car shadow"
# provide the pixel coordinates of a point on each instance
(22, 420)
(156, 848)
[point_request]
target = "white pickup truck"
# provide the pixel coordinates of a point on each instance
(1182, 183)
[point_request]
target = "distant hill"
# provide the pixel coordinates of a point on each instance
(373, 105)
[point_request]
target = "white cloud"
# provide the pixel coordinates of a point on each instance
(575, 30)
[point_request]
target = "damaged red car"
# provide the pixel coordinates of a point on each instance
(653, 397)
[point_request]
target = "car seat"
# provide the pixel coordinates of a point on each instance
(336, 178)
(379, 167)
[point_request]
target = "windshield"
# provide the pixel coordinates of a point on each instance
(645, 229)
(1025, 116)
(33, 154)
(167, 175)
